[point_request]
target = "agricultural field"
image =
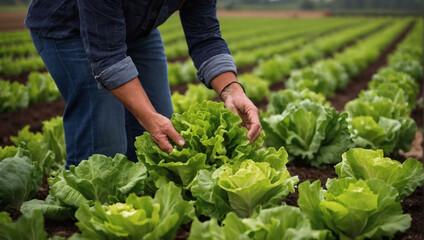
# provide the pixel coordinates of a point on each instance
(341, 106)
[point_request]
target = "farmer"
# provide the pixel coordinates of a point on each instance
(118, 44)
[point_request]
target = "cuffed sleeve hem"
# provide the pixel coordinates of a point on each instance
(214, 66)
(118, 74)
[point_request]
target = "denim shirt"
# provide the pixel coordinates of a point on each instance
(108, 26)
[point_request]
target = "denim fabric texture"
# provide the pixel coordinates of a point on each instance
(94, 120)
(108, 27)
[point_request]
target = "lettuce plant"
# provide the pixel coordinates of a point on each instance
(363, 209)
(401, 80)
(194, 94)
(47, 149)
(100, 178)
(256, 88)
(13, 96)
(213, 136)
(390, 118)
(282, 222)
(279, 101)
(7, 152)
(243, 186)
(20, 179)
(366, 164)
(315, 79)
(313, 133)
(28, 226)
(137, 218)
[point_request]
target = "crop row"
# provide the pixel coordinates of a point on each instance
(12, 61)
(239, 184)
(225, 178)
(39, 88)
(275, 69)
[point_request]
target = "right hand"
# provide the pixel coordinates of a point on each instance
(160, 128)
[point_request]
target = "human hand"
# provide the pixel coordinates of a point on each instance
(160, 128)
(236, 100)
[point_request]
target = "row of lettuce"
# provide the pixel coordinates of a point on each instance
(217, 174)
(40, 87)
(378, 119)
(16, 96)
(241, 185)
(278, 67)
(19, 56)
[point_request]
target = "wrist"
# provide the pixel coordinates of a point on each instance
(233, 89)
(148, 119)
(226, 85)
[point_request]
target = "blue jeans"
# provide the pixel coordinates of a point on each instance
(94, 120)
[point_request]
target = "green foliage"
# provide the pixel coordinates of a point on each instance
(363, 209)
(20, 179)
(282, 222)
(396, 79)
(315, 79)
(255, 87)
(385, 113)
(100, 178)
(13, 96)
(47, 149)
(195, 94)
(137, 218)
(280, 100)
(42, 88)
(7, 152)
(212, 135)
(309, 131)
(28, 226)
(243, 186)
(365, 164)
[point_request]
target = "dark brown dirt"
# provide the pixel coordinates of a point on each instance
(34, 115)
(11, 21)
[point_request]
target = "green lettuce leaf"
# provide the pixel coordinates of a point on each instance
(20, 179)
(28, 226)
(280, 100)
(100, 178)
(212, 135)
(315, 79)
(369, 164)
(194, 94)
(353, 209)
(137, 218)
(256, 88)
(243, 186)
(7, 152)
(282, 222)
(315, 134)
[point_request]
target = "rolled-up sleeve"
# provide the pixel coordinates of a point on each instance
(103, 33)
(209, 51)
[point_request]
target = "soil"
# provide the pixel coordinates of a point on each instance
(11, 21)
(36, 113)
(33, 115)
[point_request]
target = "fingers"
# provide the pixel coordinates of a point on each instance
(255, 126)
(163, 142)
(161, 130)
(174, 135)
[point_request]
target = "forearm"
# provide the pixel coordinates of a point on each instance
(134, 98)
